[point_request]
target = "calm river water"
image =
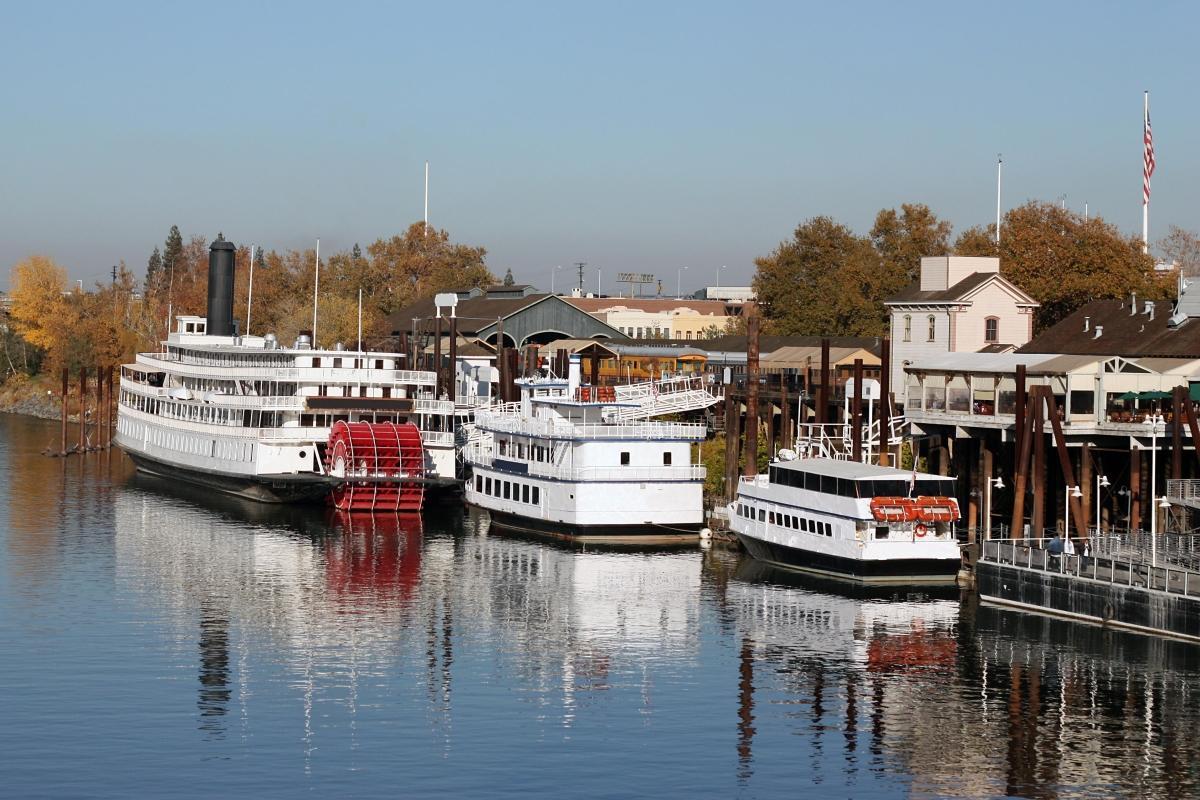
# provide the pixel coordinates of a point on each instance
(160, 642)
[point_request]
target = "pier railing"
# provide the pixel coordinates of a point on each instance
(1031, 554)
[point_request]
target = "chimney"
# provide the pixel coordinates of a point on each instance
(1132, 303)
(1149, 310)
(220, 288)
(1087, 324)
(1099, 331)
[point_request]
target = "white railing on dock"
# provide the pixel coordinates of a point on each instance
(1029, 554)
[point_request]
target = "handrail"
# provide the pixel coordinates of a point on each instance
(1017, 553)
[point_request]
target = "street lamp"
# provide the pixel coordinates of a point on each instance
(1101, 480)
(1072, 491)
(1154, 421)
(679, 283)
(553, 275)
(997, 483)
(719, 276)
(599, 274)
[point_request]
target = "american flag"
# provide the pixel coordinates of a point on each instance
(1147, 161)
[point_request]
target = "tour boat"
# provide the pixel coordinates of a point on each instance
(560, 462)
(245, 416)
(850, 520)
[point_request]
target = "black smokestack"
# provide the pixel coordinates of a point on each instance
(220, 288)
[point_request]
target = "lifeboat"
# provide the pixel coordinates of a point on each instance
(893, 509)
(936, 509)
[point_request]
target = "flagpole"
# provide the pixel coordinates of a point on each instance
(1145, 167)
(426, 197)
(999, 167)
(316, 283)
(250, 291)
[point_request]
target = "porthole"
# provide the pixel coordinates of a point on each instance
(304, 454)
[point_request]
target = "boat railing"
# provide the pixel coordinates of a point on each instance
(340, 375)
(283, 434)
(560, 429)
(1030, 554)
(484, 455)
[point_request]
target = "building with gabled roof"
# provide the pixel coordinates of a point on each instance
(959, 304)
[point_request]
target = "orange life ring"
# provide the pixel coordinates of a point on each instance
(921, 531)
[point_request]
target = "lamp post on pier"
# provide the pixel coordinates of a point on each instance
(1154, 421)
(1101, 480)
(997, 483)
(1072, 491)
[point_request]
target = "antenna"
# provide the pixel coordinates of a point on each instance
(114, 274)
(426, 197)
(580, 265)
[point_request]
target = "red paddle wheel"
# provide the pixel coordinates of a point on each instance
(381, 465)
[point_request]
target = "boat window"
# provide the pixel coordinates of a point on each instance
(525, 493)
(795, 523)
(507, 490)
(667, 458)
(624, 458)
(770, 517)
(317, 361)
(829, 484)
(881, 532)
(828, 529)
(804, 524)
(479, 483)
(535, 495)
(762, 515)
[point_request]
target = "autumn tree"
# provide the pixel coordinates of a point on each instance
(38, 302)
(421, 262)
(1065, 261)
(902, 238)
(976, 241)
(825, 280)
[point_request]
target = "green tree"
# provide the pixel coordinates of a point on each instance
(172, 253)
(153, 269)
(903, 238)
(825, 280)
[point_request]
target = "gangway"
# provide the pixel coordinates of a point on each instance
(674, 395)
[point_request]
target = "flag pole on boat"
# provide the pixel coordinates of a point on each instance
(316, 283)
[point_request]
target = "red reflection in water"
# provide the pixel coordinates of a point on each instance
(378, 555)
(918, 648)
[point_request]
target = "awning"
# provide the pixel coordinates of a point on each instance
(1154, 395)
(1129, 396)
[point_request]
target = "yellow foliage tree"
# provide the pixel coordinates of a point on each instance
(37, 300)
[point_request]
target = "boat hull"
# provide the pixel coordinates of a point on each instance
(869, 571)
(299, 488)
(683, 533)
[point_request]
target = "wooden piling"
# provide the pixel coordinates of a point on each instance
(823, 390)
(1135, 486)
(1019, 411)
(452, 384)
(82, 405)
(785, 415)
(1064, 463)
(751, 389)
(1038, 515)
(1021, 473)
(65, 392)
(885, 402)
(856, 442)
(1178, 398)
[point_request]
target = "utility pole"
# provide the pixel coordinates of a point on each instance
(580, 266)
(114, 275)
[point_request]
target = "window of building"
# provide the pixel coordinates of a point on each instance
(624, 459)
(991, 330)
(667, 459)
(908, 327)
(932, 327)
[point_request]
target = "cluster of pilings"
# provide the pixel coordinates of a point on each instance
(742, 431)
(1040, 489)
(96, 424)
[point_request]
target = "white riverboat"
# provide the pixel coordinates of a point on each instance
(242, 415)
(555, 463)
(850, 520)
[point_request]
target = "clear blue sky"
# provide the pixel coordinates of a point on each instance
(635, 136)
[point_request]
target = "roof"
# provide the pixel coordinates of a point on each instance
(997, 348)
(850, 470)
(959, 292)
(580, 346)
(736, 343)
(473, 313)
(650, 305)
(654, 351)
(792, 357)
(979, 362)
(1124, 334)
